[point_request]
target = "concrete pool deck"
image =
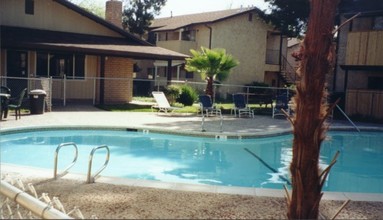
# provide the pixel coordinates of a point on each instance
(85, 116)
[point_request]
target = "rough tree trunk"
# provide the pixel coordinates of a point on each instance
(209, 87)
(310, 111)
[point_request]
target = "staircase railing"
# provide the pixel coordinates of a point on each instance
(289, 71)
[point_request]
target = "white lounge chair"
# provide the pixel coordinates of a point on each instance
(162, 103)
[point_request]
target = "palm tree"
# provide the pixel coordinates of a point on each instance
(311, 111)
(212, 64)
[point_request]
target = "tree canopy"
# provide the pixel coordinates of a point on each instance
(92, 6)
(289, 16)
(138, 14)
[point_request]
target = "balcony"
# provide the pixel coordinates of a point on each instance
(180, 46)
(365, 48)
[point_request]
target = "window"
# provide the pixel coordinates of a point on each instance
(188, 35)
(378, 23)
(29, 7)
(362, 24)
(375, 83)
(367, 23)
(161, 36)
(79, 66)
(189, 75)
(59, 64)
(250, 16)
(42, 64)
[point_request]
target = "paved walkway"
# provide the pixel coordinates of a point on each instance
(86, 115)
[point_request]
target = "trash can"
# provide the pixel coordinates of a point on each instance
(37, 101)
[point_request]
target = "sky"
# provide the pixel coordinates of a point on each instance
(182, 7)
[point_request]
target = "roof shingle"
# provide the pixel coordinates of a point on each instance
(19, 38)
(176, 22)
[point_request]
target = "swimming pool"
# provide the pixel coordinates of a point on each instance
(257, 162)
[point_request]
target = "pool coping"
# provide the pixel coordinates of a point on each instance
(252, 191)
(32, 172)
(228, 135)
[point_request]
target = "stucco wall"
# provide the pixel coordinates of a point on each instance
(49, 15)
(246, 41)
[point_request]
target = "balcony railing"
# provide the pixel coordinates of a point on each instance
(180, 46)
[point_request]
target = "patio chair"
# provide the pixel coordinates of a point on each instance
(162, 103)
(207, 107)
(17, 102)
(4, 101)
(241, 107)
(281, 102)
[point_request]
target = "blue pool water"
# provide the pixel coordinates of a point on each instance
(258, 162)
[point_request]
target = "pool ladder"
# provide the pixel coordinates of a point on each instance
(90, 178)
(203, 123)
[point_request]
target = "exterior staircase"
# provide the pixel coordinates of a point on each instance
(288, 73)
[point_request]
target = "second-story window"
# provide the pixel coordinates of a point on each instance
(29, 7)
(161, 36)
(378, 23)
(188, 35)
(250, 16)
(367, 23)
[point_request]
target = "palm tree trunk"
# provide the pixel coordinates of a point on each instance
(310, 111)
(209, 87)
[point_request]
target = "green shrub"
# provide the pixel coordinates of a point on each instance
(188, 95)
(172, 93)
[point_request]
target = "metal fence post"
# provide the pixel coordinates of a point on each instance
(94, 90)
(64, 90)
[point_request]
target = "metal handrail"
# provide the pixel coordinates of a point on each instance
(221, 124)
(345, 115)
(55, 175)
(203, 122)
(90, 179)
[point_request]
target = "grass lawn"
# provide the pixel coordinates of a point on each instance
(131, 107)
(145, 104)
(143, 107)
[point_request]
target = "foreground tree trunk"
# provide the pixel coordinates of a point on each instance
(311, 111)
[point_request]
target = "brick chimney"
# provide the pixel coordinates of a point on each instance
(113, 12)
